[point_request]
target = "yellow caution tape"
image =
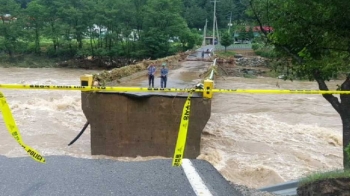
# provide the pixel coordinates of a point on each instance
(143, 89)
(182, 135)
(272, 91)
(92, 88)
(13, 129)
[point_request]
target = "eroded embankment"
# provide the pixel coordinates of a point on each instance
(114, 76)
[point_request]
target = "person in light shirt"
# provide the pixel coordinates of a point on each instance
(163, 76)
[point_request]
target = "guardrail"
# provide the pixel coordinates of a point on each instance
(233, 46)
(287, 188)
(211, 76)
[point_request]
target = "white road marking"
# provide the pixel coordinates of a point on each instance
(195, 180)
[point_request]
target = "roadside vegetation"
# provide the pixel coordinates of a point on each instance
(319, 176)
(225, 54)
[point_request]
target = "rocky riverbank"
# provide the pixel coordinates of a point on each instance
(246, 66)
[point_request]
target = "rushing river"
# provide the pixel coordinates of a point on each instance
(252, 139)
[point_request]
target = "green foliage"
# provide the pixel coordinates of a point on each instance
(264, 50)
(309, 38)
(155, 44)
(225, 54)
(226, 40)
(195, 15)
(9, 28)
(312, 42)
(189, 40)
(250, 34)
(242, 33)
(347, 151)
(245, 75)
(35, 14)
(196, 12)
(318, 176)
(129, 28)
(256, 46)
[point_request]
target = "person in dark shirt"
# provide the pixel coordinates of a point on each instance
(151, 72)
(163, 76)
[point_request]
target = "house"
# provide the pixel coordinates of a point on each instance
(6, 18)
(209, 40)
(265, 28)
(256, 31)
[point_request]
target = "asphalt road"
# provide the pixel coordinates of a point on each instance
(63, 175)
(198, 53)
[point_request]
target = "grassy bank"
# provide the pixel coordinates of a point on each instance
(223, 54)
(113, 76)
(325, 175)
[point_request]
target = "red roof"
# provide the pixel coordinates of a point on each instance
(266, 28)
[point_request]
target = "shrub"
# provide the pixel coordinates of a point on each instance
(347, 151)
(256, 46)
(318, 176)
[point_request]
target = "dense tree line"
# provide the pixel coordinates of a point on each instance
(112, 28)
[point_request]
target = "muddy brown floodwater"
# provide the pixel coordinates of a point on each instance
(254, 140)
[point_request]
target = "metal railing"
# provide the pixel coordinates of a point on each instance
(211, 76)
(233, 46)
(286, 189)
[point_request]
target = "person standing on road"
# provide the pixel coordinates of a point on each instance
(163, 76)
(151, 72)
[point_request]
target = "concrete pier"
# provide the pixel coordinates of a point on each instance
(143, 124)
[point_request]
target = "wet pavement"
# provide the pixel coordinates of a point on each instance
(187, 76)
(63, 175)
(198, 53)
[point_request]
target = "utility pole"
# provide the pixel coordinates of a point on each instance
(205, 32)
(217, 30)
(230, 24)
(214, 19)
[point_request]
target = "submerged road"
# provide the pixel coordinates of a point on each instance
(63, 175)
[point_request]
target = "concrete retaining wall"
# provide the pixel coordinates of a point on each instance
(125, 125)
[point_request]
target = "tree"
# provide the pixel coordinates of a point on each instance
(9, 25)
(242, 33)
(313, 37)
(189, 39)
(250, 33)
(162, 21)
(195, 16)
(238, 12)
(103, 28)
(223, 12)
(23, 3)
(74, 13)
(35, 22)
(226, 40)
(53, 27)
